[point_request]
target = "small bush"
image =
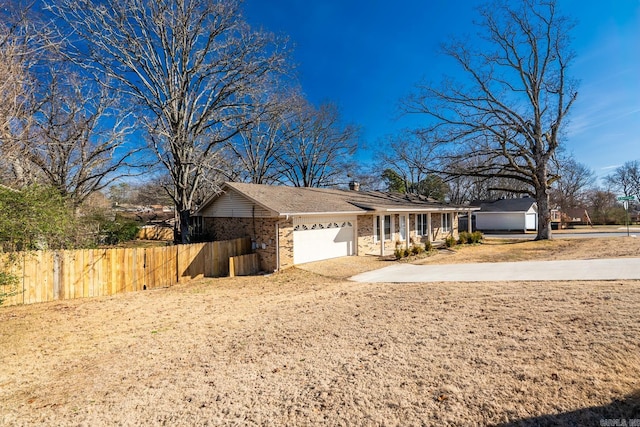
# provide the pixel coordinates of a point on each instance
(119, 230)
(465, 237)
(416, 250)
(476, 237)
(450, 242)
(8, 285)
(406, 252)
(428, 246)
(399, 253)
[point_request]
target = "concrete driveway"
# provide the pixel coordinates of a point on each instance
(593, 269)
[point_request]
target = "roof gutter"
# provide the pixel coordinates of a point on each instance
(288, 214)
(460, 209)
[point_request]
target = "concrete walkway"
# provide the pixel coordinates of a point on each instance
(593, 269)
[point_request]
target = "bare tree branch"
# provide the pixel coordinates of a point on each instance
(510, 109)
(79, 140)
(24, 41)
(626, 179)
(189, 65)
(318, 147)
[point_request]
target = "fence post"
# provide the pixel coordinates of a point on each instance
(56, 275)
(177, 263)
(24, 267)
(232, 267)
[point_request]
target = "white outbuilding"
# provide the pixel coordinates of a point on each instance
(507, 215)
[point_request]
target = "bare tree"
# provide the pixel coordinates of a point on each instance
(318, 153)
(254, 155)
(367, 175)
(626, 179)
(415, 160)
(408, 158)
(24, 41)
(78, 138)
(187, 64)
(574, 179)
(603, 207)
(511, 107)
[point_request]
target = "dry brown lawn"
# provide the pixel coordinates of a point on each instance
(307, 347)
(494, 250)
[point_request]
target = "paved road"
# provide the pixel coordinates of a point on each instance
(594, 269)
(635, 232)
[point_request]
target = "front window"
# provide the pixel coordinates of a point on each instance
(387, 228)
(403, 228)
(446, 222)
(422, 228)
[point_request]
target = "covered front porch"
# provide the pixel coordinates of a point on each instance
(402, 229)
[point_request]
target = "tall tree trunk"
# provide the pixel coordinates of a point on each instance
(544, 213)
(185, 214)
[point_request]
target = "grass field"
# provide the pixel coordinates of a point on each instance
(308, 347)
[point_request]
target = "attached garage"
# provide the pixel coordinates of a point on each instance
(316, 238)
(294, 225)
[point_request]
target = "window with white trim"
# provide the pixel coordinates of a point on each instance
(446, 222)
(376, 228)
(422, 225)
(402, 228)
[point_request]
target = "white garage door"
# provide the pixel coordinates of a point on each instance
(322, 239)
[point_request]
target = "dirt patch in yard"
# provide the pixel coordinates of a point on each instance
(298, 348)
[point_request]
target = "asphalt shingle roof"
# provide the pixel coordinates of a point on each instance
(298, 200)
(508, 205)
(283, 199)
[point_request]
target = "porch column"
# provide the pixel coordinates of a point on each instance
(429, 230)
(407, 231)
(469, 228)
(381, 221)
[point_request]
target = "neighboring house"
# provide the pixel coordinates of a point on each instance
(507, 215)
(293, 225)
(576, 216)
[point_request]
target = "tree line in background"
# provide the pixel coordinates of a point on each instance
(497, 128)
(183, 92)
(181, 95)
(574, 192)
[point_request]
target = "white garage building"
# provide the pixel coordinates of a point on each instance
(507, 215)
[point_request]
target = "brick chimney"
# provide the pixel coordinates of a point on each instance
(354, 186)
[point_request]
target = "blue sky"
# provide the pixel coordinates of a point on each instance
(366, 55)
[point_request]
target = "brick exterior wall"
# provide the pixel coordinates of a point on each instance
(454, 224)
(262, 232)
(365, 243)
(286, 244)
(436, 226)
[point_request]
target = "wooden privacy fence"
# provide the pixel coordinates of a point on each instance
(244, 265)
(57, 275)
(155, 232)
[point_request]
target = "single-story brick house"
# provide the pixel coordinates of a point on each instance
(292, 225)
